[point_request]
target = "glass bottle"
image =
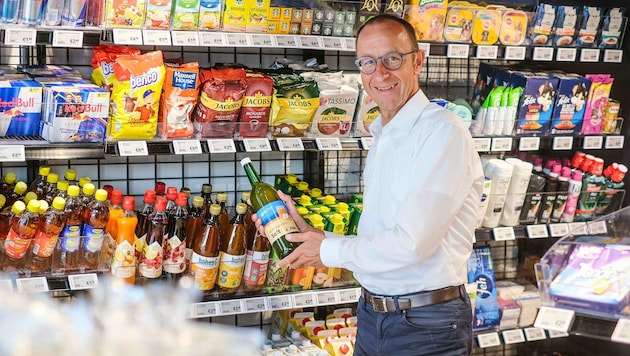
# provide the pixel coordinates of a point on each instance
(194, 225)
(233, 252)
(250, 227)
(150, 263)
(224, 217)
(175, 243)
(271, 210)
(188, 193)
(256, 263)
(171, 196)
(94, 230)
(115, 212)
(50, 190)
(16, 194)
(45, 240)
(204, 263)
(5, 218)
(206, 194)
(62, 189)
(20, 235)
(8, 182)
(66, 256)
(70, 175)
(38, 184)
(144, 223)
(124, 260)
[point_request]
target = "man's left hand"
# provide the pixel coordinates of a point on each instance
(307, 254)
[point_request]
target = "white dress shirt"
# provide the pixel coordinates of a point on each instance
(423, 182)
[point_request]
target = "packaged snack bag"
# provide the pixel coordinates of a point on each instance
(103, 58)
(254, 117)
(542, 25)
(591, 22)
(179, 97)
(612, 27)
(293, 107)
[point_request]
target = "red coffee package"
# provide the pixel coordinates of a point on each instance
(254, 118)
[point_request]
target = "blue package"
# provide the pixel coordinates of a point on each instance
(565, 26)
(481, 271)
(536, 103)
(570, 104)
(587, 36)
(611, 30)
(542, 26)
(20, 107)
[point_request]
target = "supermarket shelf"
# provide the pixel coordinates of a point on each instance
(561, 321)
(540, 231)
(21, 148)
(554, 143)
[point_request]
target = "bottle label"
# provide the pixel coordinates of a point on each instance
(150, 265)
(276, 220)
(16, 246)
(139, 246)
(547, 208)
(93, 238)
(174, 255)
(70, 238)
(231, 270)
(44, 243)
(123, 262)
(558, 208)
(204, 271)
(255, 268)
(534, 207)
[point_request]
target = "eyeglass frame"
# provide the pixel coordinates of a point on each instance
(402, 57)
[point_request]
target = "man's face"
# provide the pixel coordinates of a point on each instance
(389, 88)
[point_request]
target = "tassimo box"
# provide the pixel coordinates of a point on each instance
(334, 115)
(20, 107)
(570, 104)
(536, 104)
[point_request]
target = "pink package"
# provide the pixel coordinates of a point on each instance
(596, 103)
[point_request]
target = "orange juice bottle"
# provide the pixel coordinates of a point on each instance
(50, 189)
(46, 237)
(94, 230)
(123, 262)
(233, 252)
(115, 212)
(204, 263)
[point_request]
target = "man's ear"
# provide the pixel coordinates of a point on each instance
(420, 56)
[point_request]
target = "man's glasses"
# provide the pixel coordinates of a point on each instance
(391, 61)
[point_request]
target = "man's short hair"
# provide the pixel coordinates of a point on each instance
(411, 32)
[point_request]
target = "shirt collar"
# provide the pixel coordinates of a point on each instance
(405, 118)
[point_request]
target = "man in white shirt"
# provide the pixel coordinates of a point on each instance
(423, 182)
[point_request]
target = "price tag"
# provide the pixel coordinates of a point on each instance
(257, 145)
(482, 144)
(614, 142)
(589, 55)
(333, 43)
(82, 281)
(613, 56)
(515, 53)
(504, 233)
(426, 47)
(185, 147)
(290, 144)
(255, 305)
(597, 227)
(577, 228)
(304, 300)
(126, 36)
(65, 38)
(562, 143)
(310, 42)
(529, 144)
(133, 148)
(210, 39)
(622, 331)
(261, 40)
(513, 336)
(593, 142)
(237, 39)
(207, 309)
(366, 142)
(533, 334)
(543, 54)
(350, 44)
(553, 334)
(558, 230)
(32, 285)
(12, 153)
(328, 297)
(231, 307)
(6, 285)
(328, 144)
(286, 41)
(457, 50)
(554, 319)
(488, 340)
(20, 36)
(537, 231)
(225, 145)
(185, 38)
(487, 52)
(280, 302)
(156, 38)
(566, 54)
(501, 144)
(349, 295)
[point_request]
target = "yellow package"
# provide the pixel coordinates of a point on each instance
(486, 27)
(292, 109)
(427, 18)
(135, 100)
(513, 28)
(458, 26)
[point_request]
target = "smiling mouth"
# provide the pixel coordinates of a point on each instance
(387, 87)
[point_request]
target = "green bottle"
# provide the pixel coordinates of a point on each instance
(271, 211)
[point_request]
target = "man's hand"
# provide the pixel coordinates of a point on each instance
(301, 224)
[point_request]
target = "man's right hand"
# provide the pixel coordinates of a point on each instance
(301, 224)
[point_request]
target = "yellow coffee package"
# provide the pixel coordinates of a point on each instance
(136, 90)
(427, 18)
(293, 107)
(179, 97)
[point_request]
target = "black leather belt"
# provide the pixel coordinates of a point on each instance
(384, 304)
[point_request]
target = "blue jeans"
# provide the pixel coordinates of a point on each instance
(440, 329)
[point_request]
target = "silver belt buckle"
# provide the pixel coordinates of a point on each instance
(379, 304)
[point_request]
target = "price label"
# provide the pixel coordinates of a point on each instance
(333, 43)
(237, 39)
(207, 309)
(210, 39)
(133, 148)
(350, 44)
(156, 38)
(261, 40)
(349, 295)
(559, 230)
(622, 331)
(185, 38)
(614, 142)
(126, 36)
(310, 42)
(186, 147)
(543, 54)
(488, 340)
(32, 285)
(426, 47)
(280, 302)
(290, 144)
(6, 285)
(566, 54)
(577, 228)
(597, 227)
(501, 144)
(329, 297)
(513, 336)
(533, 334)
(504, 233)
(537, 231)
(515, 53)
(255, 305)
(328, 144)
(613, 56)
(257, 145)
(554, 319)
(529, 144)
(553, 334)
(221, 146)
(286, 41)
(366, 142)
(12, 153)
(482, 144)
(231, 307)
(593, 142)
(589, 55)
(303, 300)
(487, 52)
(82, 281)
(457, 50)
(65, 38)
(20, 37)
(562, 143)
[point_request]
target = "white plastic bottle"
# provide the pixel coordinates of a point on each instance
(575, 187)
(500, 172)
(516, 192)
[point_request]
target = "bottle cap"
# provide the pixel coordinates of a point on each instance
(619, 174)
(149, 196)
(245, 195)
(566, 173)
(222, 197)
(316, 192)
(577, 159)
(555, 170)
(344, 206)
(33, 206)
(215, 209)
(70, 174)
(586, 163)
(197, 202)
(58, 203)
(62, 185)
(171, 193)
(329, 200)
(73, 190)
(316, 219)
(537, 162)
(18, 207)
(302, 210)
(160, 188)
(3, 200)
(186, 190)
(206, 188)
(10, 177)
(577, 175)
(182, 199)
(292, 178)
(43, 206)
(30, 196)
(245, 161)
(324, 209)
(160, 204)
(597, 167)
(303, 186)
(100, 195)
(129, 203)
(117, 197)
(109, 189)
(336, 218)
(84, 180)
(305, 200)
(44, 171)
(241, 208)
(20, 187)
(89, 189)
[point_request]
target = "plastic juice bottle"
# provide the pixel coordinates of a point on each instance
(273, 213)
(39, 184)
(29, 196)
(144, 223)
(71, 176)
(109, 189)
(256, 263)
(84, 180)
(592, 183)
(16, 194)
(4, 221)
(171, 196)
(336, 224)
(250, 227)
(62, 189)
(206, 194)
(45, 239)
(124, 260)
(8, 182)
(87, 198)
(304, 201)
(115, 212)
(94, 230)
(150, 263)
(20, 235)
(316, 221)
(194, 226)
(160, 189)
(233, 252)
(224, 217)
(175, 243)
(611, 189)
(50, 189)
(204, 262)
(343, 209)
(66, 256)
